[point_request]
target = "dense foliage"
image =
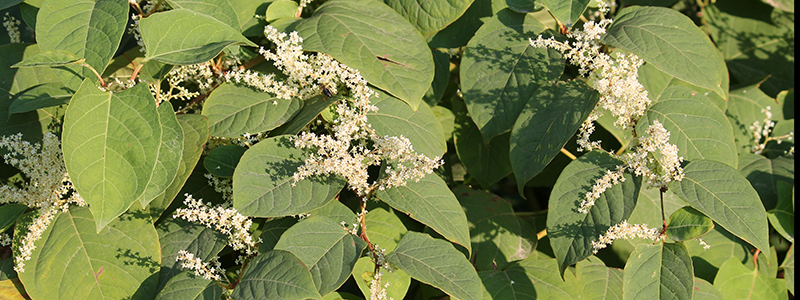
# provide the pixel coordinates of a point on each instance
(404, 149)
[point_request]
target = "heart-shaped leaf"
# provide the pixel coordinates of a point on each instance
(275, 275)
(687, 224)
(660, 271)
(234, 110)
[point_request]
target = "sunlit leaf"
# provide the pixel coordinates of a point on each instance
(234, 110)
(660, 271)
(736, 281)
(421, 127)
(429, 16)
(397, 280)
(275, 275)
(687, 223)
(176, 235)
(567, 12)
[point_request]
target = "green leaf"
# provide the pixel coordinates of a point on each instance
(221, 10)
(671, 42)
(428, 17)
(745, 107)
(721, 193)
(52, 58)
(120, 148)
(571, 232)
(550, 118)
(280, 9)
(397, 280)
(223, 160)
(458, 33)
(272, 230)
(447, 119)
(176, 235)
(262, 182)
(498, 236)
(195, 134)
(486, 162)
(72, 254)
(660, 271)
(438, 263)
(184, 37)
(756, 41)
(782, 217)
(188, 286)
(311, 108)
(384, 228)
(441, 78)
(90, 29)
(687, 224)
(500, 71)
(529, 279)
(598, 281)
(567, 12)
(648, 207)
(736, 281)
(764, 174)
(9, 214)
(724, 245)
(122, 67)
(706, 291)
(234, 110)
(421, 127)
(524, 6)
(696, 126)
(430, 202)
(326, 248)
(275, 275)
(788, 269)
(398, 62)
(9, 3)
(41, 96)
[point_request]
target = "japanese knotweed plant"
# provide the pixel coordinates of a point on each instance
(396, 149)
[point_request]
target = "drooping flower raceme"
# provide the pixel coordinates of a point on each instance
(626, 231)
(226, 220)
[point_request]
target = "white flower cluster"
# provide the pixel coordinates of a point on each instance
(615, 78)
(376, 290)
(12, 27)
(226, 220)
(5, 239)
(346, 152)
(704, 244)
(668, 162)
(212, 270)
(137, 35)
(761, 133)
(221, 185)
(608, 180)
(626, 231)
(49, 188)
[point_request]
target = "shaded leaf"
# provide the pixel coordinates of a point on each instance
(263, 184)
(704, 290)
(428, 17)
(782, 217)
(9, 213)
(660, 271)
(788, 269)
(458, 33)
(41, 96)
(430, 202)
(311, 108)
(234, 110)
(120, 148)
(764, 174)
(221, 10)
(567, 12)
(598, 281)
(529, 279)
(271, 232)
(441, 78)
(687, 224)
(275, 275)
(221, 161)
(724, 245)
(399, 62)
(720, 192)
(52, 58)
(736, 281)
(186, 285)
(486, 162)
(421, 127)
(745, 107)
(671, 42)
(176, 235)
(438, 263)
(447, 119)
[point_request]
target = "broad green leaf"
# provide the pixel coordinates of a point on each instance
(441, 78)
(195, 134)
(384, 228)
(122, 67)
(120, 148)
(550, 118)
(7, 268)
(187, 286)
(782, 217)
(184, 37)
(430, 202)
(263, 184)
(428, 17)
(657, 81)
(784, 129)
(90, 29)
(52, 58)
(311, 108)
(486, 162)
(9, 3)
(498, 236)
(234, 110)
(598, 281)
(221, 161)
(704, 290)
(397, 280)
(567, 12)
(687, 224)
(336, 210)
(9, 214)
(458, 33)
(524, 6)
(736, 281)
(724, 245)
(721, 193)
(176, 235)
(326, 248)
(280, 9)
(786, 100)
(72, 254)
(672, 43)
(648, 207)
(788, 269)
(660, 271)
(571, 233)
(221, 10)
(272, 230)
(41, 96)
(421, 127)
(275, 275)
(500, 71)
(438, 263)
(696, 126)
(29, 12)
(398, 62)
(746, 106)
(764, 175)
(447, 119)
(12, 289)
(529, 279)
(756, 41)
